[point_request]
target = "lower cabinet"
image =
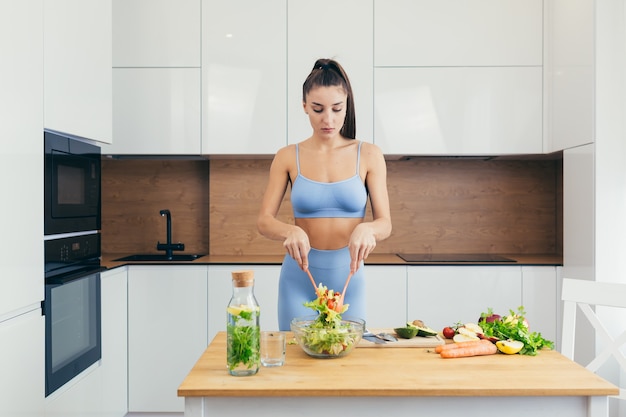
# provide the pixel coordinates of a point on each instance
(444, 295)
(114, 363)
(167, 332)
(541, 295)
(22, 365)
(386, 296)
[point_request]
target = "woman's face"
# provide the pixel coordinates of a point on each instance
(326, 107)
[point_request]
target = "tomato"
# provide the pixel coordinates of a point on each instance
(331, 304)
(448, 332)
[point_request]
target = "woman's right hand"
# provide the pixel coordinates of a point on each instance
(298, 246)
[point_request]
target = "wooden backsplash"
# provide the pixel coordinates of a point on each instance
(437, 205)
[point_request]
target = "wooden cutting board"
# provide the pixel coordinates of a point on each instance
(417, 341)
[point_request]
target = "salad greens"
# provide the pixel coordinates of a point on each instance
(513, 327)
(328, 334)
(243, 340)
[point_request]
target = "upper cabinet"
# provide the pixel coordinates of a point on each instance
(458, 78)
(77, 68)
(156, 77)
(569, 73)
(150, 33)
(21, 167)
(458, 110)
(338, 29)
(244, 71)
(449, 77)
(443, 33)
(156, 111)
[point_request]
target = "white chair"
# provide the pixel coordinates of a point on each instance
(584, 295)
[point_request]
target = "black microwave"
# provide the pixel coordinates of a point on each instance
(72, 169)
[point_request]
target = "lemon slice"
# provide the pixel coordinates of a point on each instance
(237, 310)
(510, 347)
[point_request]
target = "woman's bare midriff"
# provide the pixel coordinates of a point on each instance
(328, 233)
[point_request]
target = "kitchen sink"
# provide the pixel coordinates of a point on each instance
(160, 257)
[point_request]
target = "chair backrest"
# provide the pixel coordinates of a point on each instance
(584, 296)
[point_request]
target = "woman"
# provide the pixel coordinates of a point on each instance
(331, 176)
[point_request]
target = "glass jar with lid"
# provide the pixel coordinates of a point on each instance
(243, 326)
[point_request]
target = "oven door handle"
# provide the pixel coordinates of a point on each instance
(65, 278)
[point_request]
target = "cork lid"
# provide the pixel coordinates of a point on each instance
(243, 278)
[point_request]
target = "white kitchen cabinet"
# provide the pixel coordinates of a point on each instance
(114, 362)
(22, 362)
(164, 33)
(569, 73)
(459, 110)
(458, 33)
(80, 397)
(338, 29)
(445, 295)
(244, 72)
(156, 111)
(167, 332)
(386, 296)
(540, 298)
(579, 211)
(77, 68)
(21, 159)
(220, 292)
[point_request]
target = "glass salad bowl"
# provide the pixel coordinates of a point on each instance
(322, 341)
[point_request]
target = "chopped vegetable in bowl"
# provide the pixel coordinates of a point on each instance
(327, 334)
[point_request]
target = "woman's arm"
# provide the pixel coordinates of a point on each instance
(365, 235)
(295, 240)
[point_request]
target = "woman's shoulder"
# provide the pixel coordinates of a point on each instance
(370, 149)
(285, 154)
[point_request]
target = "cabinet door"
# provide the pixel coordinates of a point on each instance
(21, 159)
(22, 362)
(444, 295)
(386, 296)
(156, 111)
(459, 111)
(244, 72)
(77, 68)
(114, 363)
(167, 333)
(220, 292)
(579, 211)
(152, 33)
(338, 29)
(458, 33)
(569, 74)
(540, 299)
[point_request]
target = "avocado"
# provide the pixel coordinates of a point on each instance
(407, 332)
(423, 331)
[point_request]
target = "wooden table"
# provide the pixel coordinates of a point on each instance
(396, 382)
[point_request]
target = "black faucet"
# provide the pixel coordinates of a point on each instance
(169, 247)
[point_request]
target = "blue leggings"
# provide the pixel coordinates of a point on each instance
(328, 267)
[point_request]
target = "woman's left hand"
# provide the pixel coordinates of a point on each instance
(362, 243)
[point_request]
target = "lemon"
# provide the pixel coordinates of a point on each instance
(510, 347)
(237, 310)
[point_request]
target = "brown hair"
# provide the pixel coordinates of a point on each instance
(328, 73)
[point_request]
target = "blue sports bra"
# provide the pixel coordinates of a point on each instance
(313, 199)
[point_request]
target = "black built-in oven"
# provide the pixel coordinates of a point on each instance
(71, 307)
(71, 184)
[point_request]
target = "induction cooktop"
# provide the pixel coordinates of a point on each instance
(453, 257)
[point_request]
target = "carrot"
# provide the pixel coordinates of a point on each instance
(485, 347)
(456, 345)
